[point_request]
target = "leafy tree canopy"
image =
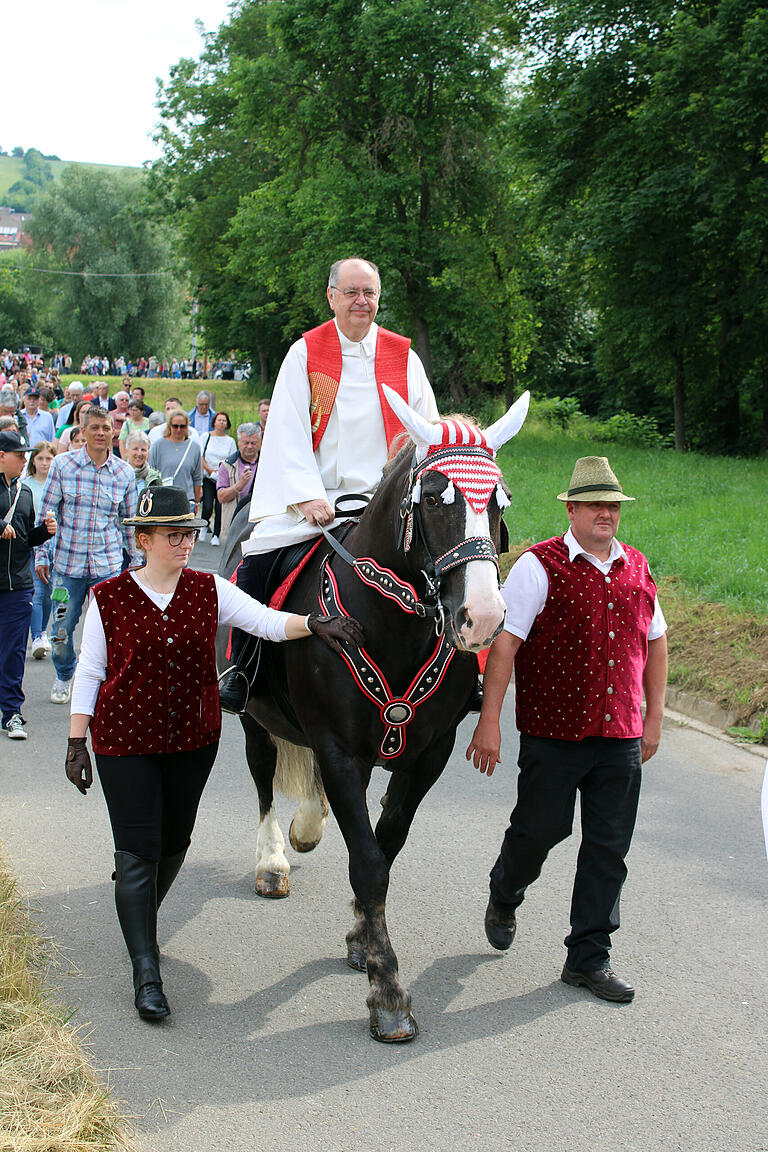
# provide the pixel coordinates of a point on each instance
(121, 291)
(647, 126)
(310, 129)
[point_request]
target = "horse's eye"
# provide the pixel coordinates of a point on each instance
(431, 500)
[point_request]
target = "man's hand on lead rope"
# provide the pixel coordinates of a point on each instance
(78, 764)
(316, 512)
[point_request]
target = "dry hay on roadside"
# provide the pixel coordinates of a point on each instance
(50, 1098)
(717, 652)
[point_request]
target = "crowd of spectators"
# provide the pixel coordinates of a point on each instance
(150, 367)
(79, 432)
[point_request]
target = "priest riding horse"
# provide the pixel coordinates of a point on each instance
(420, 572)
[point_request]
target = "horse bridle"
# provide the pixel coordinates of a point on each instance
(383, 579)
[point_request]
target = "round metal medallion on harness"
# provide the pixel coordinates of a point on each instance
(397, 713)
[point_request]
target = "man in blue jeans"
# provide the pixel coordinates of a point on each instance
(17, 537)
(90, 492)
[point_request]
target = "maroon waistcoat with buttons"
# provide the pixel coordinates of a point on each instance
(161, 692)
(580, 672)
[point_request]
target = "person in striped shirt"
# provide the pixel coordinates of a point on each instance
(90, 492)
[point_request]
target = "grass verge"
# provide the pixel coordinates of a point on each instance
(51, 1100)
(696, 519)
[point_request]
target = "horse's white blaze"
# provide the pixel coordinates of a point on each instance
(270, 846)
(482, 600)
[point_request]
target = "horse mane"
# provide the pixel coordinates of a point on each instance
(402, 444)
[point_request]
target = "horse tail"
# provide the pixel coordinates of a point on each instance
(297, 774)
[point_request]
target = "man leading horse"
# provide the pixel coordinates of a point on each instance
(330, 430)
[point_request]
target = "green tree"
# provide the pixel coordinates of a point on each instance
(310, 129)
(113, 286)
(18, 314)
(37, 174)
(647, 124)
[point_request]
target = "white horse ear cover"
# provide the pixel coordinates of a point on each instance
(510, 423)
(425, 434)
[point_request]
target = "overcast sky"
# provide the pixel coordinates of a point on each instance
(79, 75)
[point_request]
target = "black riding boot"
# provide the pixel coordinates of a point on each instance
(235, 684)
(476, 699)
(136, 903)
(168, 869)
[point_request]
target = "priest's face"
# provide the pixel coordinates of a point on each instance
(354, 299)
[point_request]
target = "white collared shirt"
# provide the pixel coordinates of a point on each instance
(526, 588)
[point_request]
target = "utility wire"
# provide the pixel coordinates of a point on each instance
(58, 272)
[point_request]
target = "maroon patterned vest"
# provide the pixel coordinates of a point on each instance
(161, 692)
(580, 672)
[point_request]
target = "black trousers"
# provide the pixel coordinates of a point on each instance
(153, 800)
(607, 774)
(211, 504)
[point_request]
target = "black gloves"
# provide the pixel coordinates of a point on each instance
(78, 764)
(333, 630)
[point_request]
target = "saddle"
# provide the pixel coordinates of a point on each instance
(287, 566)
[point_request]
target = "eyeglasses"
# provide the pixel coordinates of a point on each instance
(176, 539)
(353, 293)
(178, 427)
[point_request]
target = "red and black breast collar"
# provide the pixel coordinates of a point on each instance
(396, 712)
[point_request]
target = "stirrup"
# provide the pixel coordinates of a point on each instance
(234, 687)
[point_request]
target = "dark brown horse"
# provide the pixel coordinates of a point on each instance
(425, 588)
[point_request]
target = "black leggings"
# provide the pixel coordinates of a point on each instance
(152, 800)
(211, 503)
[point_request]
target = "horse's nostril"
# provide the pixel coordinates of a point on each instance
(463, 619)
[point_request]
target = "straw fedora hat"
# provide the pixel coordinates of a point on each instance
(593, 480)
(162, 506)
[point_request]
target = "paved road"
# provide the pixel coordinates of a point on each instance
(267, 1044)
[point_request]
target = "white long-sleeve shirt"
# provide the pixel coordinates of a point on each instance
(236, 610)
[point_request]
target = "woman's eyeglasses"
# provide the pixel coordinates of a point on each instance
(176, 539)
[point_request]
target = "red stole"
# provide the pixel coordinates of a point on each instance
(324, 371)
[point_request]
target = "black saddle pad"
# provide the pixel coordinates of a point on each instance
(288, 559)
(271, 671)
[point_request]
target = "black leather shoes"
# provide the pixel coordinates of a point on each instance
(151, 1003)
(500, 927)
(603, 982)
(233, 691)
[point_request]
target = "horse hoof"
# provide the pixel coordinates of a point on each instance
(357, 957)
(273, 885)
(301, 845)
(393, 1027)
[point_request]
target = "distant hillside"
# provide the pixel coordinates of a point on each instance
(12, 169)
